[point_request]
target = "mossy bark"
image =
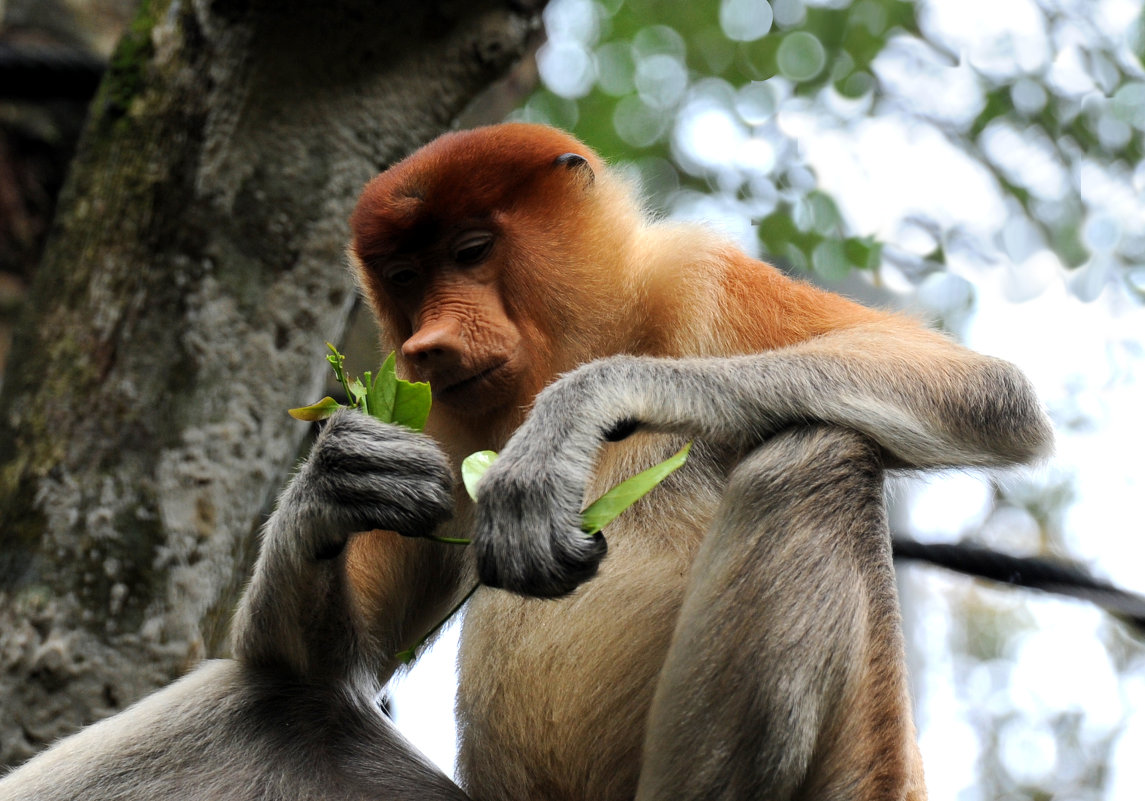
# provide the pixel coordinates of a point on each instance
(193, 273)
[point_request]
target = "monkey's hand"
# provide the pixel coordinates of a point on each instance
(364, 474)
(528, 538)
(361, 474)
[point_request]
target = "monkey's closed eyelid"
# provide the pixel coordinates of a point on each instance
(570, 160)
(400, 273)
(472, 247)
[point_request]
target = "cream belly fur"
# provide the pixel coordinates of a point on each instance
(573, 691)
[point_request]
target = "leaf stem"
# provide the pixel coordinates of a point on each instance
(448, 540)
(408, 654)
(336, 359)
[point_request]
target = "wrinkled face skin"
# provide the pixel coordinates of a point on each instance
(458, 335)
(464, 250)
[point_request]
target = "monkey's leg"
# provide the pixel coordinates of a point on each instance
(786, 676)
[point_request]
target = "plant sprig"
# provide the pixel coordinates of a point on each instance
(382, 395)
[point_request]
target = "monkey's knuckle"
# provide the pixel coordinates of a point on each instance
(354, 449)
(429, 469)
(580, 560)
(411, 506)
(345, 427)
(374, 475)
(436, 500)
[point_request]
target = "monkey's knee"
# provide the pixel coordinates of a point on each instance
(807, 462)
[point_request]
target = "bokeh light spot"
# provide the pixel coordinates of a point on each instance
(745, 20)
(566, 68)
(636, 123)
(800, 56)
(661, 80)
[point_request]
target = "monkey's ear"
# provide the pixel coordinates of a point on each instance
(574, 162)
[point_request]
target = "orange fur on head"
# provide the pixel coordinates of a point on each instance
(560, 267)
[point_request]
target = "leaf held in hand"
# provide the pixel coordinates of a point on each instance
(474, 467)
(316, 411)
(381, 391)
(604, 509)
(412, 400)
(598, 514)
(382, 395)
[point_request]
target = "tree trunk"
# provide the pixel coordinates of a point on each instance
(193, 273)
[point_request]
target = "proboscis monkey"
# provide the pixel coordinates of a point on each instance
(741, 639)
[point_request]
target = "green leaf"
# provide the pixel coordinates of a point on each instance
(474, 467)
(384, 395)
(357, 391)
(381, 391)
(316, 411)
(604, 509)
(865, 252)
(411, 404)
(828, 260)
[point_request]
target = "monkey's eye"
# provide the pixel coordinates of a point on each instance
(400, 274)
(473, 247)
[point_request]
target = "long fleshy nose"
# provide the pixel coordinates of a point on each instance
(435, 344)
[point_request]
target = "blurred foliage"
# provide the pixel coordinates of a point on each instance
(1056, 126)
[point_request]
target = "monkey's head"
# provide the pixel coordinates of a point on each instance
(489, 256)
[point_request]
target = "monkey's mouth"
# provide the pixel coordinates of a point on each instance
(471, 387)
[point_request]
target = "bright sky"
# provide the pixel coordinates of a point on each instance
(1086, 357)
